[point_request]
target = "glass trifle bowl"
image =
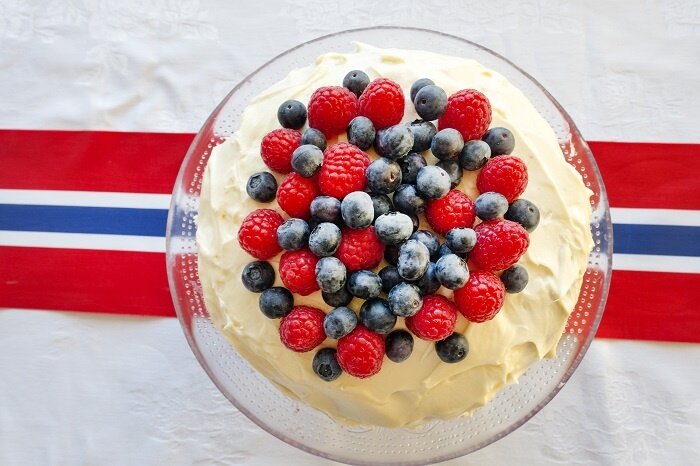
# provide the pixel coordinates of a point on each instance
(300, 424)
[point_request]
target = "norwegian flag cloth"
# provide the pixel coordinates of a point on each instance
(82, 224)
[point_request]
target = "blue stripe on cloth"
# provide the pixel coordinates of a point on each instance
(662, 240)
(71, 219)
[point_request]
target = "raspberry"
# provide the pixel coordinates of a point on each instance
(382, 102)
(360, 249)
(469, 112)
(331, 109)
(298, 271)
(499, 244)
(435, 320)
(302, 329)
(505, 174)
(481, 298)
(295, 194)
(455, 210)
(343, 170)
(361, 352)
(277, 147)
(258, 233)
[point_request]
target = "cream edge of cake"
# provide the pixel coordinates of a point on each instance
(422, 388)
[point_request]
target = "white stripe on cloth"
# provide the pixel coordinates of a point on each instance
(673, 217)
(85, 198)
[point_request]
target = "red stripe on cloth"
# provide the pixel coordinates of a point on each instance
(650, 175)
(117, 282)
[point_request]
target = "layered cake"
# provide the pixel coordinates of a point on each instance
(392, 236)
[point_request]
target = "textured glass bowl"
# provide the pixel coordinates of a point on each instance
(299, 424)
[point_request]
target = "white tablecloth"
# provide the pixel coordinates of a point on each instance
(110, 390)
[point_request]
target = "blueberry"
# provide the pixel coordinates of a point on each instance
(489, 206)
(314, 137)
(393, 228)
(330, 274)
(423, 134)
(447, 144)
(453, 170)
(276, 302)
(525, 213)
(428, 283)
(394, 142)
(361, 132)
(433, 182)
(307, 160)
(405, 300)
(500, 140)
(258, 276)
(293, 234)
(452, 271)
(356, 81)
(515, 278)
(382, 204)
(365, 284)
(430, 102)
(416, 222)
(444, 250)
(376, 316)
(390, 277)
(357, 210)
(391, 254)
(430, 241)
(474, 155)
(383, 176)
(418, 85)
(399, 345)
(325, 365)
(410, 165)
(460, 240)
(261, 187)
(413, 261)
(339, 322)
(342, 297)
(453, 348)
(408, 201)
(291, 114)
(325, 239)
(325, 209)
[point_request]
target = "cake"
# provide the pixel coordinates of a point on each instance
(422, 388)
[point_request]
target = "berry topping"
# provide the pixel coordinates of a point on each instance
(423, 134)
(460, 240)
(357, 210)
(331, 109)
(258, 276)
(360, 249)
(261, 187)
(455, 210)
(302, 329)
(307, 160)
(435, 320)
(451, 271)
(324, 239)
(410, 165)
(258, 233)
(365, 284)
(297, 270)
(500, 140)
(325, 365)
(430, 102)
(399, 345)
(469, 112)
(293, 234)
(394, 142)
(418, 85)
(361, 132)
(277, 147)
(490, 206)
(291, 114)
(356, 81)
(525, 213)
(382, 102)
(408, 200)
(343, 170)
(405, 299)
(515, 278)
(330, 274)
(393, 228)
(383, 176)
(453, 170)
(339, 322)
(413, 261)
(276, 302)
(447, 144)
(453, 348)
(314, 137)
(295, 195)
(360, 353)
(432, 182)
(499, 244)
(474, 155)
(481, 298)
(376, 316)
(506, 174)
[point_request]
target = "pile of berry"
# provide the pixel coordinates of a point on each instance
(347, 213)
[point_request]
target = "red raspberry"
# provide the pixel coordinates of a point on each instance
(343, 170)
(382, 102)
(499, 244)
(298, 271)
(277, 147)
(361, 352)
(258, 233)
(435, 320)
(302, 329)
(505, 174)
(469, 112)
(295, 194)
(360, 249)
(331, 109)
(482, 297)
(455, 210)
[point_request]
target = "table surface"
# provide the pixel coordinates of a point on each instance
(81, 388)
